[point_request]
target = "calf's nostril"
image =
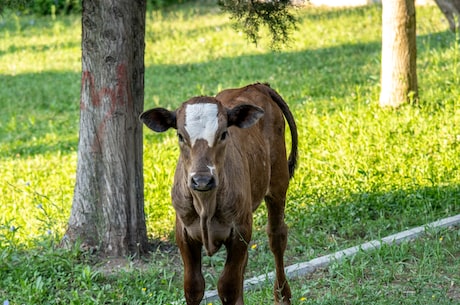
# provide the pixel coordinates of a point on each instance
(203, 183)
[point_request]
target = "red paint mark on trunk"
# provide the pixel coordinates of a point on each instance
(116, 97)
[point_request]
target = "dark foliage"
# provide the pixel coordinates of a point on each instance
(252, 14)
(13, 4)
(48, 7)
(42, 7)
(159, 4)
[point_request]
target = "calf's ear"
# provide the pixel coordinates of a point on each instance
(159, 119)
(244, 116)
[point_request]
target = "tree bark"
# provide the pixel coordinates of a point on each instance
(108, 205)
(399, 53)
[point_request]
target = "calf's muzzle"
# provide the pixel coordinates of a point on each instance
(202, 182)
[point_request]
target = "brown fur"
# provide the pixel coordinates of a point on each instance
(250, 165)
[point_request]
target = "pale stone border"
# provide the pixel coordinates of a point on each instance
(301, 269)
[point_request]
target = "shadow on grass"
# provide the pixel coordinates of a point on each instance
(315, 74)
(40, 47)
(39, 113)
(36, 105)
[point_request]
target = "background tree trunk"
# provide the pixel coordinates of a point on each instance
(399, 53)
(450, 9)
(108, 204)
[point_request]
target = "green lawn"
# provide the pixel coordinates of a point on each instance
(363, 172)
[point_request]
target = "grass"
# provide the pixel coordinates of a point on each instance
(364, 172)
(424, 271)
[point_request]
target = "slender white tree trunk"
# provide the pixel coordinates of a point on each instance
(108, 205)
(399, 53)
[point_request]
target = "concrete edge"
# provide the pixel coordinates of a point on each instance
(301, 269)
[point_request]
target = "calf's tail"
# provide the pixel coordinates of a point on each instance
(292, 160)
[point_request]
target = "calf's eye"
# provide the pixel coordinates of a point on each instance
(224, 135)
(180, 137)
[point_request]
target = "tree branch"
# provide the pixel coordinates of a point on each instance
(252, 14)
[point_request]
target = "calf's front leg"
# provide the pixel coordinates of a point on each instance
(230, 286)
(190, 251)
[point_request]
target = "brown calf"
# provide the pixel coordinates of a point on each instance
(232, 156)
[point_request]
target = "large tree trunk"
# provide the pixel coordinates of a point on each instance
(108, 204)
(399, 53)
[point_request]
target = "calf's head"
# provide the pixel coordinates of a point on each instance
(202, 129)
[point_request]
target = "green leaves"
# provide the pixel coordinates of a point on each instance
(252, 14)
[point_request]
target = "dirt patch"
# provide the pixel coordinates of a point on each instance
(160, 250)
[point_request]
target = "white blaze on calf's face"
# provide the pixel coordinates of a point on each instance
(201, 122)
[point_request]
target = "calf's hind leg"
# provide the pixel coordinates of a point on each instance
(277, 234)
